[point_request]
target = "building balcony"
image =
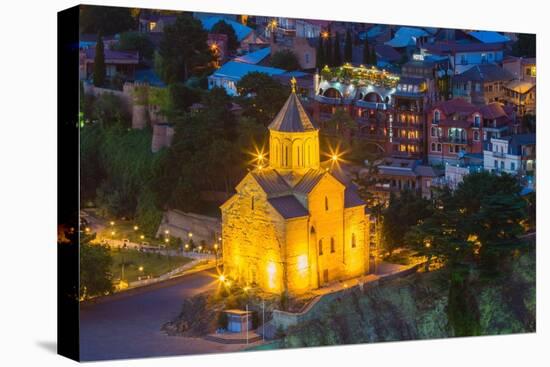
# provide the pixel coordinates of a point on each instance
(453, 140)
(498, 154)
(328, 100)
(405, 139)
(371, 105)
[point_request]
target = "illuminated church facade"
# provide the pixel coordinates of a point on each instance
(293, 225)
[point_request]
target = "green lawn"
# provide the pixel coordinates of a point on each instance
(153, 264)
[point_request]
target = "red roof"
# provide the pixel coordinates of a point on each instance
(493, 111)
(456, 105)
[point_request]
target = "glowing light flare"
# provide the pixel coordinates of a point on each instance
(302, 263)
(271, 275)
(136, 228)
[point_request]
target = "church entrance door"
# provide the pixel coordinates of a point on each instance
(325, 276)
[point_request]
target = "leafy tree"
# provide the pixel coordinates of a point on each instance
(223, 27)
(529, 123)
(366, 52)
(181, 98)
(95, 268)
(403, 212)
(261, 96)
(337, 61)
(106, 19)
(136, 41)
(99, 63)
(342, 123)
(183, 50)
(348, 47)
(525, 46)
(285, 59)
(108, 110)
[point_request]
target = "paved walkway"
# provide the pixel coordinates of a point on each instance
(129, 326)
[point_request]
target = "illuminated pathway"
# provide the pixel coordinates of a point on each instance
(129, 326)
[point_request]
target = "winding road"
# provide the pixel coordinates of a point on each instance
(128, 325)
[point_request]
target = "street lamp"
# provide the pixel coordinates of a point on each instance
(136, 228)
(190, 234)
(166, 231)
(186, 246)
(112, 223)
(142, 237)
(141, 268)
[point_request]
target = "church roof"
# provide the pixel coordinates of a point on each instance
(288, 206)
(309, 181)
(270, 181)
(351, 197)
(292, 117)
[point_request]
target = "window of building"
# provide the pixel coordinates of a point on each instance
(478, 87)
(307, 58)
(513, 166)
(451, 149)
(252, 203)
(433, 147)
(496, 163)
(320, 247)
(476, 135)
(439, 147)
(433, 131)
(437, 116)
(326, 203)
(477, 120)
(502, 165)
(353, 243)
(332, 245)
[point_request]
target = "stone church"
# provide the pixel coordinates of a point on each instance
(295, 224)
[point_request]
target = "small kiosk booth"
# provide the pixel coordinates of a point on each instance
(238, 320)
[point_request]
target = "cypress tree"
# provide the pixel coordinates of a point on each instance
(348, 47)
(373, 57)
(337, 52)
(328, 53)
(320, 59)
(366, 52)
(99, 62)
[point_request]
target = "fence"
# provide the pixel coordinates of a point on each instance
(283, 319)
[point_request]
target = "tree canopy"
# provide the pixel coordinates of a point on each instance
(106, 19)
(223, 27)
(99, 63)
(183, 50)
(136, 41)
(95, 268)
(285, 59)
(261, 96)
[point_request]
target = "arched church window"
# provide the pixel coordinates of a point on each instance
(353, 240)
(326, 203)
(320, 247)
(286, 156)
(332, 245)
(252, 203)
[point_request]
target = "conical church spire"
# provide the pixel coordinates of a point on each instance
(293, 139)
